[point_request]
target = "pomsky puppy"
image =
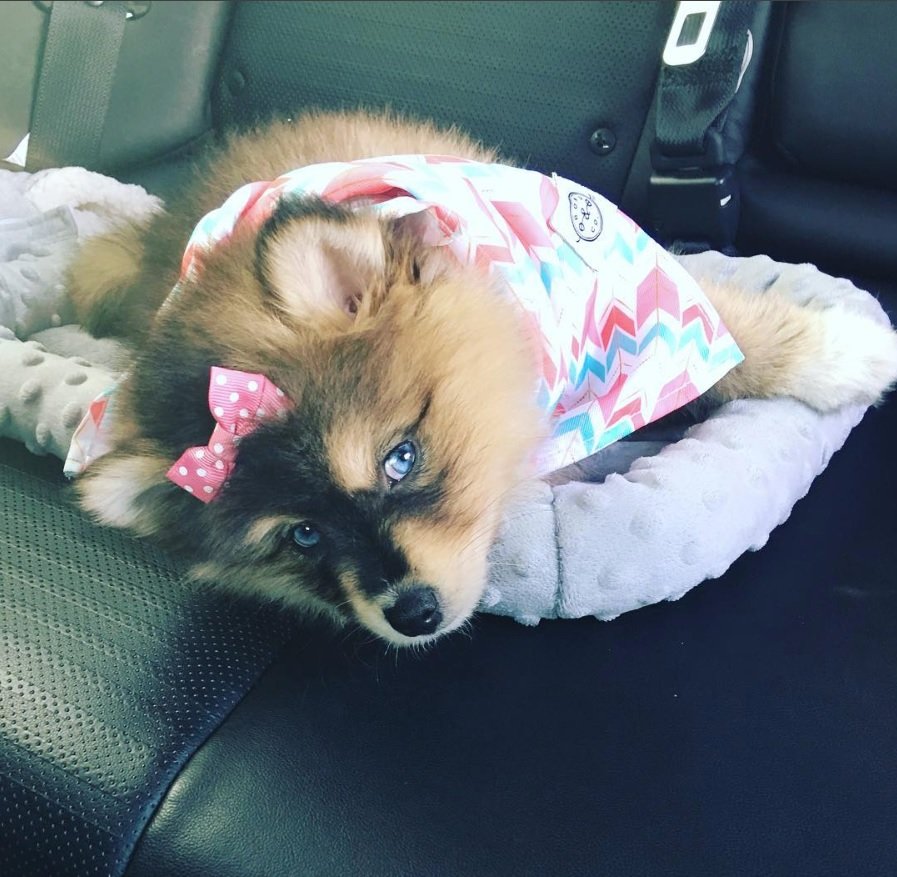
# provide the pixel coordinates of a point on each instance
(391, 385)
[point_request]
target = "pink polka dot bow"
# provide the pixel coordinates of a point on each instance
(240, 402)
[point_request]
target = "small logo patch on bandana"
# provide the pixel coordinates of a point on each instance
(585, 216)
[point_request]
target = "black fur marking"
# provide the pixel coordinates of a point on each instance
(282, 469)
(419, 500)
(326, 586)
(174, 402)
(424, 411)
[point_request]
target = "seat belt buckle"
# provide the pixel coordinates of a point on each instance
(133, 8)
(690, 32)
(695, 208)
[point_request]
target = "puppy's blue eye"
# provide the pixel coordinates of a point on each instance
(306, 535)
(399, 461)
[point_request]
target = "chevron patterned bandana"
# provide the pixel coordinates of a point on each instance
(625, 333)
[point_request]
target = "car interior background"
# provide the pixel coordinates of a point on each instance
(152, 728)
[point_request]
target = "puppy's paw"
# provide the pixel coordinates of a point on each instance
(856, 365)
(117, 491)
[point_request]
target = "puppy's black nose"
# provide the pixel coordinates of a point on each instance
(416, 612)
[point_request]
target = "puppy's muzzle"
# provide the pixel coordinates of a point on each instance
(416, 612)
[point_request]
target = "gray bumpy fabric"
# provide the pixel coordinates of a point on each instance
(642, 521)
(50, 370)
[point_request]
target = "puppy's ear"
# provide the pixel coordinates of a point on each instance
(321, 263)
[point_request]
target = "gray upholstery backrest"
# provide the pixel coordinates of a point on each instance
(535, 79)
(834, 124)
(819, 181)
(160, 93)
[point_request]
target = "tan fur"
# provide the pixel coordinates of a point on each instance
(110, 499)
(775, 334)
(104, 266)
(318, 137)
(452, 559)
(266, 528)
(375, 340)
(464, 340)
(826, 358)
(352, 454)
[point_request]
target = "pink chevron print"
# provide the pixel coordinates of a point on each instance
(656, 292)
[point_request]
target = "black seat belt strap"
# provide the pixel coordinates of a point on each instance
(694, 192)
(699, 78)
(75, 82)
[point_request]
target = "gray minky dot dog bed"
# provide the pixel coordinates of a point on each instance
(644, 520)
